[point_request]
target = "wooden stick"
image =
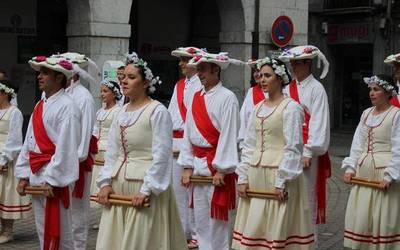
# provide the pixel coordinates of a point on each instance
(123, 200)
(98, 162)
(260, 196)
(371, 184)
(267, 194)
(201, 179)
(35, 188)
(365, 180)
(34, 192)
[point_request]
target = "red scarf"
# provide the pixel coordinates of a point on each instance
(224, 197)
(85, 166)
(52, 221)
(395, 101)
(324, 163)
(258, 94)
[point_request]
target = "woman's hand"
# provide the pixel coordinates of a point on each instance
(104, 194)
(139, 199)
(347, 177)
(242, 188)
(21, 187)
(384, 185)
(281, 193)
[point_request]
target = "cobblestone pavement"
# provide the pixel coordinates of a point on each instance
(331, 234)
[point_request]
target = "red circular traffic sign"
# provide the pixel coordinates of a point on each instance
(282, 31)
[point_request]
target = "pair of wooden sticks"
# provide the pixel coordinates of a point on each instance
(262, 194)
(114, 199)
(98, 162)
(364, 182)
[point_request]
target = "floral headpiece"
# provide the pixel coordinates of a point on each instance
(221, 59)
(131, 58)
(7, 90)
(279, 70)
(114, 87)
(384, 84)
(59, 64)
(392, 59)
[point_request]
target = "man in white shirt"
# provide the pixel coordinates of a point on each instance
(311, 95)
(48, 157)
(180, 102)
(80, 202)
(209, 148)
(394, 60)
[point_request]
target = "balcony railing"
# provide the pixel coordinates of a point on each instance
(343, 4)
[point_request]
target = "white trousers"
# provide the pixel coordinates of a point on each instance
(182, 196)
(211, 234)
(39, 205)
(311, 180)
(80, 215)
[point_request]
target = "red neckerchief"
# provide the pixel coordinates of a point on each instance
(258, 94)
(224, 197)
(47, 148)
(324, 163)
(395, 101)
(180, 89)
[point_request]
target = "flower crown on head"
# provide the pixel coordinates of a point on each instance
(54, 61)
(113, 86)
(279, 70)
(384, 84)
(7, 90)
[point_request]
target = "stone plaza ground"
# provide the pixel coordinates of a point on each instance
(331, 234)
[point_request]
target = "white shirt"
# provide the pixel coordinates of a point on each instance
(223, 110)
(314, 100)
(158, 176)
(192, 85)
(85, 103)
(291, 165)
(61, 118)
(121, 102)
(392, 171)
(245, 113)
(13, 143)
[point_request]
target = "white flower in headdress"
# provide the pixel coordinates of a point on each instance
(7, 90)
(131, 58)
(384, 84)
(279, 70)
(149, 75)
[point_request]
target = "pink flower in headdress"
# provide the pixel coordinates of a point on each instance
(308, 50)
(191, 50)
(197, 58)
(222, 57)
(40, 58)
(65, 64)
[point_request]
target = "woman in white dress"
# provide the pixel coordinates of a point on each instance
(372, 219)
(110, 94)
(271, 161)
(138, 163)
(12, 206)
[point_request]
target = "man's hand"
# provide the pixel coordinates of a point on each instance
(21, 187)
(186, 174)
(347, 177)
(281, 193)
(138, 199)
(384, 185)
(306, 163)
(3, 170)
(48, 190)
(218, 179)
(103, 195)
(242, 190)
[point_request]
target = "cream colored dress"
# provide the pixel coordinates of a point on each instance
(104, 119)
(140, 166)
(372, 219)
(12, 205)
(272, 158)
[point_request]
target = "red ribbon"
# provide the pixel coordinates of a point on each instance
(180, 89)
(47, 148)
(85, 166)
(224, 197)
(324, 163)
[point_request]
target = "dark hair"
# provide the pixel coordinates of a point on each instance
(115, 85)
(64, 80)
(7, 83)
(2, 71)
(122, 67)
(389, 80)
(279, 63)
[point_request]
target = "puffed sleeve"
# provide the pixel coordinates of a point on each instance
(87, 121)
(349, 163)
(96, 127)
(319, 127)
(249, 145)
(22, 169)
(226, 157)
(13, 143)
(392, 171)
(111, 154)
(158, 176)
(186, 156)
(291, 167)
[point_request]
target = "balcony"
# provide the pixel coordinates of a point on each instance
(343, 7)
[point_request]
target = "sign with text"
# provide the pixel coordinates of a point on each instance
(345, 33)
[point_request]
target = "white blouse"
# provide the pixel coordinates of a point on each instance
(291, 166)
(223, 110)
(13, 143)
(158, 176)
(392, 171)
